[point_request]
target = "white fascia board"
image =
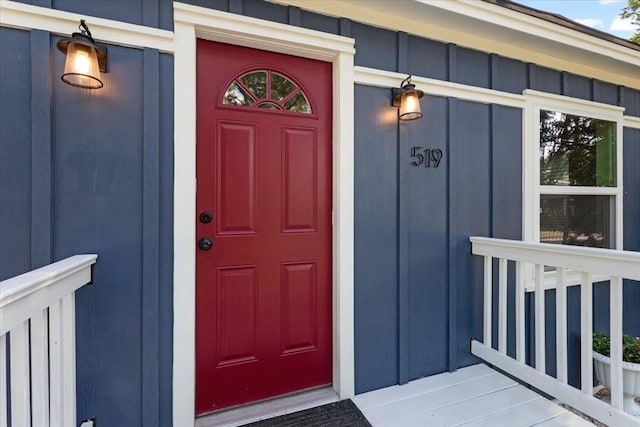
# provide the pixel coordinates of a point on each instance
(494, 29)
(252, 32)
(28, 17)
(631, 122)
(390, 79)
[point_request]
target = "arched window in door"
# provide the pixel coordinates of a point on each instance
(267, 90)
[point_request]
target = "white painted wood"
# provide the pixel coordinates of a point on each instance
(586, 332)
(434, 383)
(488, 300)
(566, 420)
(269, 409)
(25, 16)
(20, 384)
(430, 402)
(191, 22)
(23, 295)
(471, 409)
(485, 26)
(520, 313)
(526, 414)
(40, 368)
(343, 227)
(561, 325)
(585, 403)
(631, 122)
(69, 360)
(4, 413)
(540, 320)
(616, 316)
(56, 364)
(591, 260)
(559, 189)
(390, 79)
(576, 106)
(502, 306)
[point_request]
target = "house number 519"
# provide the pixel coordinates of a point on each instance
(429, 157)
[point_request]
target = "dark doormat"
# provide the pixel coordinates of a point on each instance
(344, 413)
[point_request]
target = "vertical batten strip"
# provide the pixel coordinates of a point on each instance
(616, 314)
(586, 331)
(4, 413)
(151, 238)
(502, 307)
(19, 358)
(561, 324)
(40, 368)
(539, 321)
(69, 359)
(488, 264)
(55, 364)
(520, 314)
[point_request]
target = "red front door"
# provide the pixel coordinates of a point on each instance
(263, 294)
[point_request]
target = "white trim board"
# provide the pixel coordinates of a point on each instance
(27, 17)
(191, 22)
(491, 28)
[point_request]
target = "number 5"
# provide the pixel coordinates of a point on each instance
(414, 153)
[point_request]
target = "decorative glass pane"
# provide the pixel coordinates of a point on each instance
(281, 86)
(583, 220)
(577, 150)
(298, 103)
(269, 106)
(235, 95)
(256, 81)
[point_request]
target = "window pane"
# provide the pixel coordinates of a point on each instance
(256, 81)
(269, 106)
(577, 220)
(576, 150)
(298, 103)
(280, 86)
(235, 95)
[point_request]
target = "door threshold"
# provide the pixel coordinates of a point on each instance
(268, 409)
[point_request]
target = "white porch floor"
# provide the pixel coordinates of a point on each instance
(474, 396)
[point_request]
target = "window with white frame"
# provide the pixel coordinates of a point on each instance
(573, 176)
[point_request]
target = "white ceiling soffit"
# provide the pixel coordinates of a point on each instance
(494, 29)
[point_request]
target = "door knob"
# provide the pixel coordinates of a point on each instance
(205, 243)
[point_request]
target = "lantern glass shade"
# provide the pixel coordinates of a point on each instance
(410, 105)
(81, 67)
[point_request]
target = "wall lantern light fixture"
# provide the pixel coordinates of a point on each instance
(407, 97)
(85, 60)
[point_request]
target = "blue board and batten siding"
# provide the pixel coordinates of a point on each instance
(91, 172)
(84, 171)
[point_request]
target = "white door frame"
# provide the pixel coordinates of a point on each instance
(191, 22)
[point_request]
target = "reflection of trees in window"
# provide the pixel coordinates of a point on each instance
(267, 90)
(576, 150)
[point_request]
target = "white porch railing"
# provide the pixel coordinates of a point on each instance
(37, 327)
(574, 266)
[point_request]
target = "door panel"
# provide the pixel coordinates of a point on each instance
(263, 293)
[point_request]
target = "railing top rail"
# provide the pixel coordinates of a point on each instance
(610, 262)
(20, 286)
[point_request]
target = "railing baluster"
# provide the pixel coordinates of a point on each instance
(561, 324)
(69, 359)
(488, 283)
(520, 313)
(539, 322)
(616, 341)
(502, 306)
(3, 381)
(586, 332)
(19, 359)
(55, 360)
(40, 368)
